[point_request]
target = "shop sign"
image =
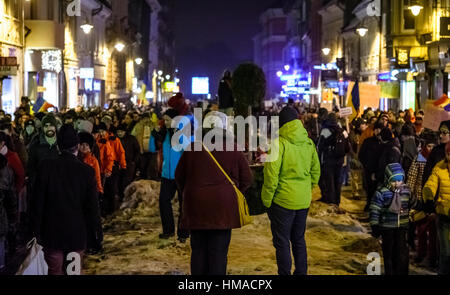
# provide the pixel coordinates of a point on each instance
(8, 66)
(403, 57)
(97, 86)
(330, 75)
(52, 60)
(445, 27)
(87, 73)
(41, 89)
(384, 76)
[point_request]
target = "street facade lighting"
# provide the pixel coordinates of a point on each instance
(160, 73)
(362, 31)
(87, 28)
(279, 73)
(167, 77)
(326, 51)
(287, 67)
(119, 46)
(415, 8)
(138, 60)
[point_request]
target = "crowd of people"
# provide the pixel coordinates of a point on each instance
(61, 172)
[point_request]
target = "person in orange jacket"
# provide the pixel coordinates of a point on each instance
(87, 141)
(111, 186)
(86, 146)
(106, 155)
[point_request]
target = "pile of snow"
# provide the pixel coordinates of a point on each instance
(142, 191)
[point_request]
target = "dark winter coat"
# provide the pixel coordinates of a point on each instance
(226, 99)
(389, 154)
(371, 146)
(437, 155)
(8, 201)
(328, 132)
(39, 151)
(132, 149)
(209, 200)
(65, 204)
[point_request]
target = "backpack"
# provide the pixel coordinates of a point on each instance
(338, 146)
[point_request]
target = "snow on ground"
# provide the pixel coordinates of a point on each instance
(338, 244)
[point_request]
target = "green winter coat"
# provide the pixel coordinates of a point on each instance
(289, 178)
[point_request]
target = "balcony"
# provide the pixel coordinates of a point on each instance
(44, 34)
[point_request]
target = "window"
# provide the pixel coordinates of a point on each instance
(409, 20)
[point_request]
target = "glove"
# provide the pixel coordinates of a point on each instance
(429, 207)
(376, 232)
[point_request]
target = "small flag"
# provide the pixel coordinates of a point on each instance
(354, 102)
(442, 102)
(41, 105)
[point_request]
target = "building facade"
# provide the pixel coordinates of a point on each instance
(11, 53)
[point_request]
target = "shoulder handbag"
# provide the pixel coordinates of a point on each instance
(244, 212)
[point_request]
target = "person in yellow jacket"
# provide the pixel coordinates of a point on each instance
(439, 185)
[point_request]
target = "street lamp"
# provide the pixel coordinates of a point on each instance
(119, 46)
(287, 67)
(167, 77)
(279, 73)
(160, 73)
(362, 31)
(415, 8)
(138, 60)
(326, 51)
(86, 27)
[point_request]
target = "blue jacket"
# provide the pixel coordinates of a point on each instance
(171, 155)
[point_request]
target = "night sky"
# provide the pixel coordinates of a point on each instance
(213, 35)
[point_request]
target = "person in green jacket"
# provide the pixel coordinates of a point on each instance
(287, 190)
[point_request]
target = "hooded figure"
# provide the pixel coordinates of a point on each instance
(389, 217)
(292, 169)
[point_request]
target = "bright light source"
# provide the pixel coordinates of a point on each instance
(415, 9)
(138, 60)
(177, 80)
(119, 46)
(287, 67)
(326, 51)
(87, 28)
(279, 73)
(362, 31)
(160, 73)
(167, 77)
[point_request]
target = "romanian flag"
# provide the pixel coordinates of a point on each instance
(41, 105)
(353, 101)
(443, 101)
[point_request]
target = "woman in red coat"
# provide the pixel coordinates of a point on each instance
(6, 149)
(210, 208)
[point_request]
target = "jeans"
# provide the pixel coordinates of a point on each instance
(111, 192)
(443, 228)
(395, 251)
(57, 261)
(166, 195)
(330, 183)
(288, 227)
(209, 251)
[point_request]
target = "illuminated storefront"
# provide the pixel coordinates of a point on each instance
(42, 74)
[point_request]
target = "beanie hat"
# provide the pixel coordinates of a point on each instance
(67, 137)
(386, 134)
(287, 114)
(49, 119)
(429, 138)
(85, 126)
(107, 119)
(86, 138)
(172, 113)
(102, 126)
(122, 127)
(332, 117)
(30, 122)
(394, 172)
(178, 102)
